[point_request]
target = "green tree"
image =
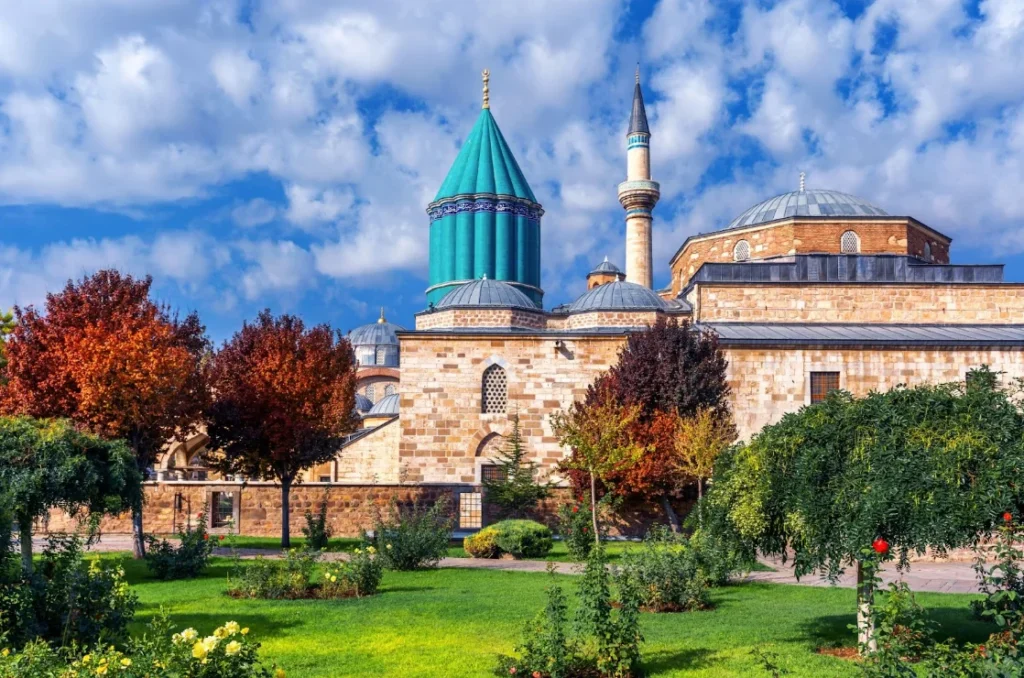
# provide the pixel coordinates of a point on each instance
(6, 327)
(47, 463)
(850, 481)
(516, 489)
(602, 447)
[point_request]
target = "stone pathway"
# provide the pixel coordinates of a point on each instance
(938, 577)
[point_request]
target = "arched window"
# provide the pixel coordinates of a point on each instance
(927, 251)
(849, 243)
(742, 251)
(382, 355)
(495, 390)
(369, 393)
(389, 390)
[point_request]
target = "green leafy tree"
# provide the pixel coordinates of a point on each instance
(849, 482)
(602, 447)
(47, 464)
(516, 489)
(6, 327)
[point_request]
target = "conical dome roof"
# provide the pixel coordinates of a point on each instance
(485, 165)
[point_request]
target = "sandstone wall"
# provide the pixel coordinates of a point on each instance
(478, 317)
(797, 237)
(860, 303)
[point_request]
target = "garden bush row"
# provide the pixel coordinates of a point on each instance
(515, 538)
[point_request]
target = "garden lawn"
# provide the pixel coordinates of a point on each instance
(452, 622)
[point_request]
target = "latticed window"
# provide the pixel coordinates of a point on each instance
(382, 355)
(223, 509)
(822, 383)
(742, 251)
(369, 393)
(927, 251)
(495, 390)
(849, 243)
(389, 390)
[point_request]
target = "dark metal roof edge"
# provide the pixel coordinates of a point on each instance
(362, 433)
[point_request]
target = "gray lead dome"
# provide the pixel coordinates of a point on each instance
(385, 407)
(807, 203)
(485, 293)
(377, 343)
(618, 296)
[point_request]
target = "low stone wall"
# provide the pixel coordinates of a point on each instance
(257, 507)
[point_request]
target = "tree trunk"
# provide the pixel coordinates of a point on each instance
(670, 513)
(286, 531)
(593, 509)
(25, 536)
(138, 536)
(700, 488)
(865, 599)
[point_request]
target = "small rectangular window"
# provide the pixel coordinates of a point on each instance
(470, 510)
(223, 513)
(325, 479)
(491, 472)
(822, 383)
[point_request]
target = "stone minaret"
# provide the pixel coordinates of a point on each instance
(638, 194)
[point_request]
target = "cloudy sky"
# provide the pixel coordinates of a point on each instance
(251, 154)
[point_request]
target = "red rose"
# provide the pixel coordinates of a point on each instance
(206, 537)
(512, 671)
(575, 509)
(536, 674)
(221, 537)
(880, 546)
(1007, 517)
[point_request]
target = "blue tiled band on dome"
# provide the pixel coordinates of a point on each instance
(638, 141)
(518, 207)
(639, 211)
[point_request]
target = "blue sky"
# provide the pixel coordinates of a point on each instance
(253, 154)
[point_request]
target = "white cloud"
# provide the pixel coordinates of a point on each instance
(275, 267)
(256, 212)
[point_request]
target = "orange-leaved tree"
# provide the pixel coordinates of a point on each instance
(107, 357)
(283, 401)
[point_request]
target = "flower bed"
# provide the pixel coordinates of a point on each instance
(301, 575)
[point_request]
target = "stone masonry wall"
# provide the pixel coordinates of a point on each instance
(860, 303)
(479, 317)
(796, 237)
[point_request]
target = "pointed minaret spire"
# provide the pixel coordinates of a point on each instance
(638, 194)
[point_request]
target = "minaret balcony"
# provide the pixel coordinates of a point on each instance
(643, 192)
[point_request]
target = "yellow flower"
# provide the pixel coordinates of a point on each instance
(220, 632)
(199, 651)
(371, 550)
(86, 658)
(233, 648)
(126, 662)
(231, 627)
(333, 579)
(188, 635)
(389, 547)
(101, 670)
(245, 631)
(358, 551)
(279, 673)
(6, 652)
(210, 642)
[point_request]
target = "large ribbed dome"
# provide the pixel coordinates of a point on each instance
(385, 407)
(806, 203)
(618, 296)
(486, 293)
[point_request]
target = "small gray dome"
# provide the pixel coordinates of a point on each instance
(807, 203)
(486, 293)
(377, 343)
(363, 404)
(618, 296)
(385, 407)
(605, 267)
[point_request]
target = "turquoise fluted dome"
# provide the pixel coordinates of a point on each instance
(485, 220)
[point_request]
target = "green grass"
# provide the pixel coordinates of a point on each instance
(452, 622)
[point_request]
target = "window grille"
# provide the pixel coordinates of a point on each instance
(927, 251)
(382, 355)
(849, 243)
(369, 393)
(492, 473)
(822, 383)
(223, 513)
(389, 390)
(742, 251)
(471, 515)
(495, 390)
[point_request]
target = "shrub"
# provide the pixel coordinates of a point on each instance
(523, 538)
(229, 652)
(602, 642)
(317, 531)
(358, 577)
(576, 528)
(483, 544)
(1003, 583)
(668, 573)
(68, 600)
(413, 537)
(188, 560)
(300, 575)
(716, 556)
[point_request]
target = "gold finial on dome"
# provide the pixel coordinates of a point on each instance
(381, 320)
(487, 89)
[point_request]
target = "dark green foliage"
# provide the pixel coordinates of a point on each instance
(301, 575)
(717, 556)
(1003, 582)
(668, 573)
(186, 561)
(317, 532)
(517, 538)
(547, 646)
(516, 491)
(932, 466)
(413, 537)
(575, 525)
(67, 600)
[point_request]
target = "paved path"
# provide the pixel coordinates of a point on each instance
(939, 577)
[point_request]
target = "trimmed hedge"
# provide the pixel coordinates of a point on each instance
(517, 538)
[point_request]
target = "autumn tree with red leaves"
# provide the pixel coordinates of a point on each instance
(110, 359)
(284, 398)
(669, 371)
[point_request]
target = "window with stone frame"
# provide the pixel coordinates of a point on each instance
(491, 473)
(222, 509)
(495, 390)
(741, 252)
(823, 383)
(849, 242)
(369, 392)
(389, 390)
(382, 355)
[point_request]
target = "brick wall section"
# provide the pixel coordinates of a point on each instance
(768, 383)
(442, 425)
(482, 317)
(860, 303)
(793, 236)
(350, 507)
(373, 459)
(611, 319)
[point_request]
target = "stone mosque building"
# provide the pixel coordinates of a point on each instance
(808, 291)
